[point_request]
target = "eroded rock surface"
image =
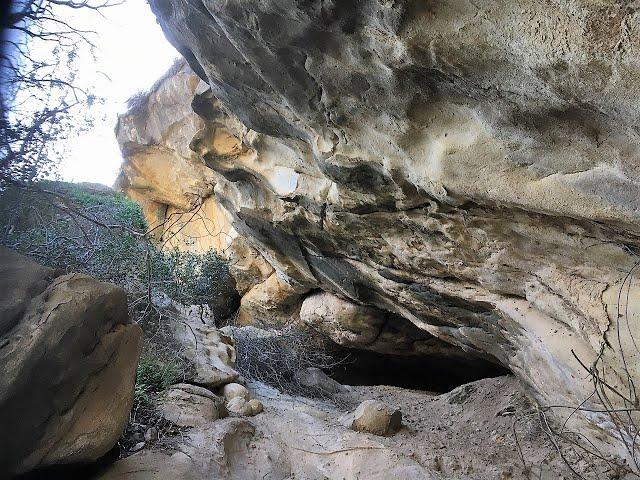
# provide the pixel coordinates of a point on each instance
(213, 451)
(471, 167)
(299, 438)
(188, 405)
(68, 356)
(209, 351)
(163, 174)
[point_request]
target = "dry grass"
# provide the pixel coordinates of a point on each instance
(274, 356)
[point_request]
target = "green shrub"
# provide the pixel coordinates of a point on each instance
(66, 230)
(44, 226)
(153, 375)
(123, 210)
(202, 280)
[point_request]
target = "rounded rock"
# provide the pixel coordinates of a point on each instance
(233, 390)
(256, 406)
(376, 417)
(188, 409)
(239, 406)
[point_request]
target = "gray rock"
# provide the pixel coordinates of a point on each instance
(315, 378)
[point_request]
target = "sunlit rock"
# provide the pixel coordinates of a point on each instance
(377, 418)
(469, 167)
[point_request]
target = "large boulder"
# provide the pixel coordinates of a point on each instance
(68, 356)
(471, 167)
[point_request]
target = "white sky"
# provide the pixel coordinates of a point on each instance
(133, 53)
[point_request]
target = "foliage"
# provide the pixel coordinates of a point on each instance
(94, 230)
(37, 225)
(200, 279)
(154, 374)
(126, 211)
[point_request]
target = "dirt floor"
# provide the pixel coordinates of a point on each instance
(468, 433)
(485, 430)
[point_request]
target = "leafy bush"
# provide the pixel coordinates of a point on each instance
(123, 210)
(45, 226)
(202, 279)
(154, 374)
(92, 229)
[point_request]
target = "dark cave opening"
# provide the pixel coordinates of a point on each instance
(438, 374)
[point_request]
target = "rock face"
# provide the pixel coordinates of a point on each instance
(274, 301)
(175, 188)
(206, 453)
(368, 328)
(209, 351)
(207, 354)
(68, 356)
(161, 173)
(471, 167)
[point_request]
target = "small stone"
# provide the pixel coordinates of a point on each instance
(151, 434)
(233, 390)
(138, 446)
(239, 406)
(378, 418)
(256, 406)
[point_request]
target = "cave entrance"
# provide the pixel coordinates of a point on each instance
(382, 347)
(438, 374)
